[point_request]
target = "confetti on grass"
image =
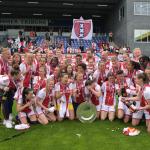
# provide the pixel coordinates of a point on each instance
(79, 135)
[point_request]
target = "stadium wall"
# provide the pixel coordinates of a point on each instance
(118, 27)
(123, 29)
(136, 22)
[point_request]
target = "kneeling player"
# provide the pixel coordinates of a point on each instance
(93, 94)
(63, 93)
(25, 106)
(46, 103)
(109, 101)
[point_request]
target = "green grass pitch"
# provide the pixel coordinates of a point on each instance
(73, 135)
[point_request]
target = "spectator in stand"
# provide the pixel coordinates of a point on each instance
(111, 36)
(137, 53)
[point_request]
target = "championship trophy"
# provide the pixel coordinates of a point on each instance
(86, 112)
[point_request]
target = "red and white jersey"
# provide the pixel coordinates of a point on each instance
(80, 86)
(66, 98)
(49, 69)
(27, 71)
(126, 83)
(100, 76)
(46, 98)
(18, 94)
(56, 80)
(18, 97)
(90, 69)
(95, 100)
(108, 90)
(4, 67)
(113, 69)
(66, 90)
(38, 83)
(132, 74)
(108, 65)
(124, 68)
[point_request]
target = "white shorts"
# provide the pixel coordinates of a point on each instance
(123, 107)
(23, 114)
(98, 107)
(147, 115)
(108, 108)
(139, 115)
(39, 110)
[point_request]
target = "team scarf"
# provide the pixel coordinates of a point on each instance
(110, 93)
(101, 78)
(63, 111)
(28, 77)
(94, 99)
(41, 83)
(48, 99)
(80, 92)
(122, 83)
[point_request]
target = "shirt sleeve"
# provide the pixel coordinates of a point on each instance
(22, 68)
(41, 94)
(98, 88)
(103, 87)
(57, 87)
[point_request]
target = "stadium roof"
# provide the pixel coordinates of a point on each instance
(58, 9)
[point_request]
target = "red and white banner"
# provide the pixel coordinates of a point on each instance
(82, 29)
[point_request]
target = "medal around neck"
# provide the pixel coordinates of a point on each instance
(86, 112)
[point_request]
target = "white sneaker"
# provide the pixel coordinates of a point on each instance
(22, 126)
(10, 117)
(8, 124)
(4, 122)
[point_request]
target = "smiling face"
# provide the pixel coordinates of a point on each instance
(29, 95)
(16, 58)
(79, 77)
(111, 79)
(91, 62)
(137, 52)
(42, 61)
(49, 84)
(120, 77)
(29, 58)
(114, 61)
(54, 61)
(64, 79)
(69, 69)
(101, 66)
(130, 66)
(42, 72)
(6, 54)
(58, 52)
(56, 71)
(38, 56)
(139, 81)
(104, 56)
